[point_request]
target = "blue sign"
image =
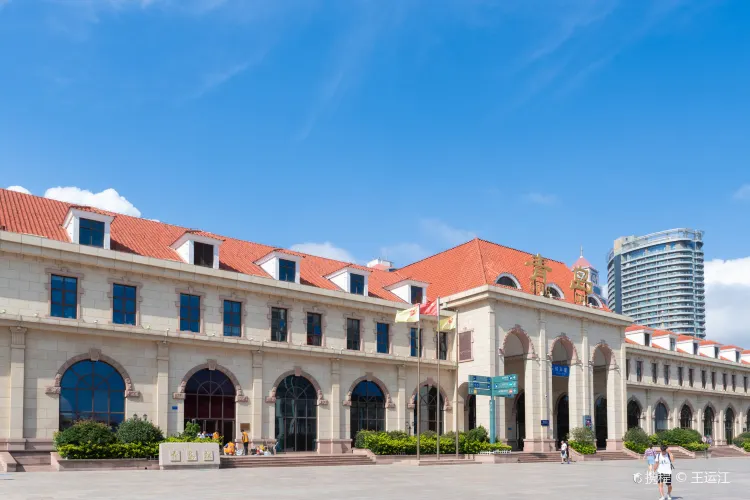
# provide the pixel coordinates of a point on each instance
(545, 423)
(587, 421)
(479, 385)
(480, 378)
(174, 408)
(560, 371)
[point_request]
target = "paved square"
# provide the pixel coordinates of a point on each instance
(599, 480)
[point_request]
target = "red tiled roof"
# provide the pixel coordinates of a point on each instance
(581, 262)
(729, 347)
(709, 342)
(629, 341)
(657, 346)
(472, 264)
(662, 333)
(635, 328)
(683, 350)
(684, 338)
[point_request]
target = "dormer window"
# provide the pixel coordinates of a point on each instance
(357, 284)
(716, 352)
(417, 294)
(647, 339)
(672, 344)
(88, 228)
(737, 356)
(695, 348)
(281, 265)
(203, 254)
(91, 233)
(198, 248)
(287, 270)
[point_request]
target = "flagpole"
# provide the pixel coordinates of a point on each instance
(455, 326)
(437, 351)
(419, 378)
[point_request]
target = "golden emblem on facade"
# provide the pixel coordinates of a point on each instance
(538, 274)
(581, 286)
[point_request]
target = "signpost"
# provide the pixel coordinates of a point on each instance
(504, 386)
(560, 371)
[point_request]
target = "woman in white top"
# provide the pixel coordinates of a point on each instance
(664, 466)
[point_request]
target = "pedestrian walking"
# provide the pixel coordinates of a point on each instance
(664, 467)
(650, 457)
(245, 441)
(564, 452)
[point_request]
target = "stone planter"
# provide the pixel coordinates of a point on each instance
(66, 465)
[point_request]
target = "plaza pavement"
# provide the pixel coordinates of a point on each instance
(600, 480)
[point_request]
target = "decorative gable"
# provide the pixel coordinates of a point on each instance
(88, 228)
(198, 249)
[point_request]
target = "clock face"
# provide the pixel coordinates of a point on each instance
(580, 275)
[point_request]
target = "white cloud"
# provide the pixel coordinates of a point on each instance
(19, 189)
(444, 232)
(541, 199)
(109, 199)
(727, 297)
(743, 193)
(326, 249)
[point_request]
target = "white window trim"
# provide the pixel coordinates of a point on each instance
(190, 239)
(72, 224)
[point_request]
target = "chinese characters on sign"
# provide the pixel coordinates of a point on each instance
(581, 286)
(538, 274)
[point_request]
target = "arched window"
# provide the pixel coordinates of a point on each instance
(210, 402)
(508, 280)
(686, 417)
(708, 421)
(92, 390)
(428, 411)
(368, 408)
(595, 302)
(662, 420)
(634, 414)
(554, 292)
(296, 414)
(729, 425)
(600, 420)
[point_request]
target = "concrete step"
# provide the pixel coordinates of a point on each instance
(725, 452)
(31, 457)
(613, 455)
(294, 461)
(35, 468)
(540, 457)
(423, 463)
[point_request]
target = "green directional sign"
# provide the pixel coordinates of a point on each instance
(499, 386)
(481, 392)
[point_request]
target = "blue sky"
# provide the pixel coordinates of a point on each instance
(394, 128)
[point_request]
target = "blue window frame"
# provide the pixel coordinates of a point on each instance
(287, 270)
(91, 233)
(64, 297)
(278, 324)
(314, 329)
(352, 334)
(190, 313)
(413, 336)
(357, 284)
(417, 294)
(123, 304)
(92, 390)
(232, 318)
(383, 338)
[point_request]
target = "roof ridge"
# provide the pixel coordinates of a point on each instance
(482, 269)
(519, 250)
(436, 254)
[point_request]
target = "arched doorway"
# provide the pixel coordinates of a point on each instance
(519, 410)
(210, 402)
(661, 418)
(471, 412)
(296, 414)
(430, 400)
(634, 414)
(92, 390)
(708, 421)
(686, 417)
(562, 419)
(367, 409)
(729, 425)
(600, 420)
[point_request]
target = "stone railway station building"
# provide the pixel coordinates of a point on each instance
(105, 316)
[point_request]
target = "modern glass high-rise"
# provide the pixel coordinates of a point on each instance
(657, 280)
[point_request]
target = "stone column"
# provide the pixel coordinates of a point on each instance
(588, 379)
(401, 399)
(533, 440)
(258, 435)
(719, 429)
(545, 388)
(615, 427)
(17, 376)
(649, 414)
(162, 388)
(501, 425)
(334, 442)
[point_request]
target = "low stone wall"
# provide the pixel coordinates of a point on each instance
(189, 456)
(7, 463)
(65, 465)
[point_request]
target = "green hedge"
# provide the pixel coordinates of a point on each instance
(637, 447)
(108, 451)
(84, 432)
(135, 430)
(741, 439)
(637, 436)
(582, 448)
(746, 446)
(384, 443)
(676, 437)
(695, 446)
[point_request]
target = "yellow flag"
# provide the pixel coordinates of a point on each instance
(447, 324)
(408, 315)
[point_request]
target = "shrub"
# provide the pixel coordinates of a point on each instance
(135, 430)
(83, 432)
(746, 446)
(582, 448)
(695, 446)
(429, 434)
(381, 443)
(638, 436)
(583, 435)
(655, 439)
(637, 447)
(108, 451)
(679, 437)
(478, 434)
(359, 438)
(186, 439)
(397, 434)
(741, 439)
(191, 430)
